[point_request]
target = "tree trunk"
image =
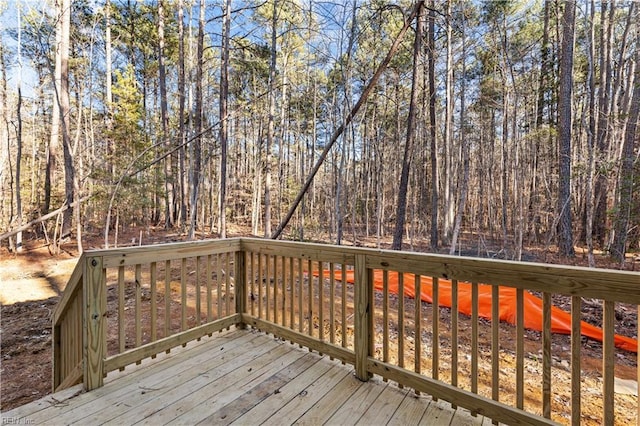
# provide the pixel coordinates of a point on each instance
(401, 206)
(565, 232)
(54, 136)
(65, 110)
(271, 120)
(224, 128)
(184, 190)
(432, 127)
(19, 137)
(627, 177)
(449, 207)
(164, 117)
(197, 149)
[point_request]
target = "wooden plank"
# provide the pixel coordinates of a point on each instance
(276, 280)
(306, 251)
(608, 362)
(384, 407)
(576, 374)
(385, 316)
(358, 404)
(227, 283)
(546, 355)
(71, 378)
(410, 411)
(182, 338)
(119, 395)
(438, 413)
(95, 302)
(485, 406)
(252, 280)
(304, 400)
(324, 409)
(310, 342)
(260, 391)
(284, 394)
(283, 305)
(218, 374)
(260, 285)
(32, 409)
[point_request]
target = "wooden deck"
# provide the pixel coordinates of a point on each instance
(240, 377)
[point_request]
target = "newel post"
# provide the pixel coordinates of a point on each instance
(364, 317)
(240, 285)
(94, 322)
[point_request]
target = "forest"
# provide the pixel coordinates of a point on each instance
(460, 126)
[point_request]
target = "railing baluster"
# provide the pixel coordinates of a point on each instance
(435, 335)
(300, 297)
(474, 338)
(183, 294)
(608, 361)
(519, 348)
(292, 297)
(576, 374)
(268, 285)
(332, 303)
(495, 342)
(138, 285)
(385, 316)
(209, 295)
(418, 329)
(310, 275)
(260, 280)
(121, 319)
(321, 300)
(546, 355)
(198, 295)
(344, 305)
(400, 321)
(252, 280)
(275, 289)
(227, 280)
(454, 333)
(154, 302)
(284, 291)
(167, 298)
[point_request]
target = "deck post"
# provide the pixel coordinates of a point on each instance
(363, 318)
(240, 285)
(94, 322)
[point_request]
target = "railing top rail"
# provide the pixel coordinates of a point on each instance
(606, 284)
(165, 251)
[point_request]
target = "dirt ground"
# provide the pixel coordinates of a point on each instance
(32, 283)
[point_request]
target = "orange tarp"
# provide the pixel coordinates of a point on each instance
(560, 320)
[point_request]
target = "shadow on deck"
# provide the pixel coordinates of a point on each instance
(240, 377)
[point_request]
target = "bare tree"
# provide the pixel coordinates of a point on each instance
(224, 127)
(401, 207)
(565, 231)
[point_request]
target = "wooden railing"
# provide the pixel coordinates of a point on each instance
(150, 299)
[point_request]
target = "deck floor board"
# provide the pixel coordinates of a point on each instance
(240, 377)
